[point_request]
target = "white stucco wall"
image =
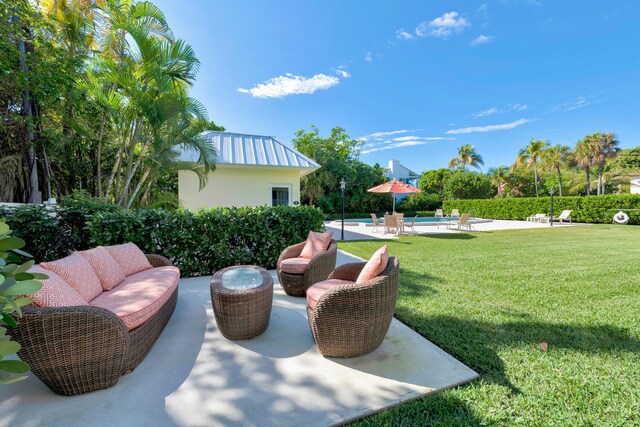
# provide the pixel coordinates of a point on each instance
(230, 186)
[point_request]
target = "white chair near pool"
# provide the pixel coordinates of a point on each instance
(461, 223)
(455, 213)
(439, 213)
(536, 217)
(376, 223)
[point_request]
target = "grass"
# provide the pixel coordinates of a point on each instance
(490, 299)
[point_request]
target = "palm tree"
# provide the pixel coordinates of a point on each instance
(467, 155)
(529, 157)
(499, 177)
(604, 147)
(554, 158)
(583, 157)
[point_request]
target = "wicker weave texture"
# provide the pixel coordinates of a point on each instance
(242, 314)
(316, 271)
(75, 350)
(352, 320)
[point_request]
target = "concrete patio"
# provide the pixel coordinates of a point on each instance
(195, 377)
(362, 232)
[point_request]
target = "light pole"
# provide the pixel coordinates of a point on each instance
(551, 193)
(343, 185)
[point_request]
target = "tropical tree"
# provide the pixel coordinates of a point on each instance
(583, 156)
(499, 177)
(554, 159)
(529, 157)
(467, 155)
(604, 147)
(432, 181)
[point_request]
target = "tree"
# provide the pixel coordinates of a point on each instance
(604, 147)
(468, 185)
(467, 155)
(499, 177)
(529, 157)
(583, 156)
(554, 159)
(432, 181)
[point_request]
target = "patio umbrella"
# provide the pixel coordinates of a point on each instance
(394, 187)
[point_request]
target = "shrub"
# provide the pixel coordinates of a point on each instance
(199, 243)
(468, 185)
(591, 209)
(420, 202)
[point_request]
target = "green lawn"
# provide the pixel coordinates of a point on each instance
(491, 298)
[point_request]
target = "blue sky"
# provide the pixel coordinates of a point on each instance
(418, 79)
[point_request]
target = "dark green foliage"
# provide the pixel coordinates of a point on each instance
(592, 209)
(199, 243)
(468, 185)
(54, 232)
(420, 202)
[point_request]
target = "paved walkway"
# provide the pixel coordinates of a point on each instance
(195, 377)
(366, 232)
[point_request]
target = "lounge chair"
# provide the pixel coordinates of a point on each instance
(439, 213)
(455, 213)
(536, 217)
(376, 222)
(461, 223)
(564, 216)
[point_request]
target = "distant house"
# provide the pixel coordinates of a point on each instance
(251, 170)
(634, 187)
(402, 174)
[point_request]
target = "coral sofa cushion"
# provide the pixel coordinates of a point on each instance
(55, 292)
(140, 295)
(316, 291)
(316, 244)
(130, 257)
(376, 265)
(294, 265)
(77, 272)
(105, 266)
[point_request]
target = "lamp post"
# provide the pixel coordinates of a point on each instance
(343, 185)
(551, 193)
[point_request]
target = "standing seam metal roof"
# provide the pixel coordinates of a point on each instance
(252, 150)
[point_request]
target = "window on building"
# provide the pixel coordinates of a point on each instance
(279, 196)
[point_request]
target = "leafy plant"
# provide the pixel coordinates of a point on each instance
(15, 281)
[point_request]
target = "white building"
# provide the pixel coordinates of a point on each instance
(251, 170)
(634, 186)
(402, 174)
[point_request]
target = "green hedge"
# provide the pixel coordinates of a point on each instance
(591, 209)
(199, 243)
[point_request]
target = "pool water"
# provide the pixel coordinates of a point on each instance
(409, 220)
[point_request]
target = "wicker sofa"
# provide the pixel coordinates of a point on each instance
(316, 270)
(78, 349)
(349, 319)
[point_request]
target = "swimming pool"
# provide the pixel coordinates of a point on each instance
(426, 219)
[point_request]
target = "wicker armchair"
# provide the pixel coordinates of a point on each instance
(79, 349)
(316, 271)
(351, 320)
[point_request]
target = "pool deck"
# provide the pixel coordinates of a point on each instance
(365, 232)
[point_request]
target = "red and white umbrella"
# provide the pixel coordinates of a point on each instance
(394, 187)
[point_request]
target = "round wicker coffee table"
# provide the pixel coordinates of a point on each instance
(241, 297)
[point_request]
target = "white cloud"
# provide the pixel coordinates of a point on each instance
(581, 101)
(442, 26)
(494, 110)
(404, 35)
(290, 84)
(379, 135)
(490, 128)
(481, 39)
(341, 71)
(368, 57)
(490, 111)
(424, 138)
(394, 145)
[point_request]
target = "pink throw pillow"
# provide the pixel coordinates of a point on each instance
(55, 292)
(376, 265)
(316, 244)
(105, 266)
(130, 257)
(77, 272)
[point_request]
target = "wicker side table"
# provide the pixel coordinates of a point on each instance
(242, 297)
